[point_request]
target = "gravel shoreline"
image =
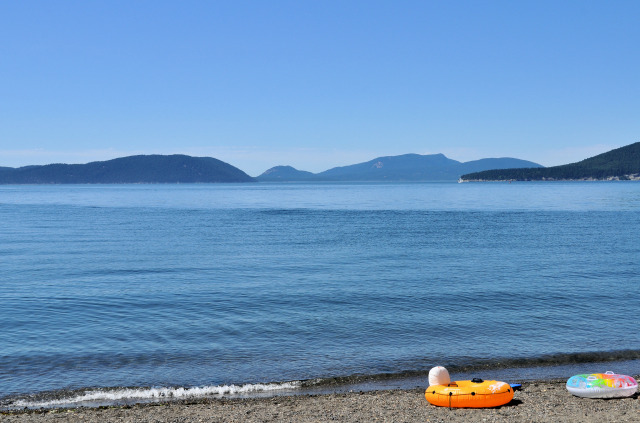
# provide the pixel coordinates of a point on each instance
(547, 401)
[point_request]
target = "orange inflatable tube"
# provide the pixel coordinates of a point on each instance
(474, 393)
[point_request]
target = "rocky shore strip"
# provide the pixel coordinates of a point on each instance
(547, 401)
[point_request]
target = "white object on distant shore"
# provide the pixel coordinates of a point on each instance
(439, 376)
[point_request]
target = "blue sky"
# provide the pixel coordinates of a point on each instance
(317, 84)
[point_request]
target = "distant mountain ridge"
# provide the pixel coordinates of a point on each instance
(406, 167)
(619, 164)
(175, 168)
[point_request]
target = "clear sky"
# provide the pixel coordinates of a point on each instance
(317, 84)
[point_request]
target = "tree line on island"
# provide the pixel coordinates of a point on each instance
(621, 163)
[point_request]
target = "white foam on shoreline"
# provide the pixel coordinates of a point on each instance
(98, 397)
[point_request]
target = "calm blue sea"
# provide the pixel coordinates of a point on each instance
(178, 290)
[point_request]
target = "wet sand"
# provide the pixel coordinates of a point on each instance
(547, 401)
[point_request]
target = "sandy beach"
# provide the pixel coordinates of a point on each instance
(546, 401)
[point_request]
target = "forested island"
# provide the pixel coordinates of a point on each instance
(175, 168)
(619, 164)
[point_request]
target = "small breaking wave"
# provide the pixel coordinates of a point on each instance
(547, 367)
(101, 397)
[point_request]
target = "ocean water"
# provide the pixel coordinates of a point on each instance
(124, 293)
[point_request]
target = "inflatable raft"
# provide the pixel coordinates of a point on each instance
(602, 385)
(475, 393)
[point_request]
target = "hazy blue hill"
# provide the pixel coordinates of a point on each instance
(284, 173)
(500, 163)
(621, 163)
(407, 167)
(133, 169)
